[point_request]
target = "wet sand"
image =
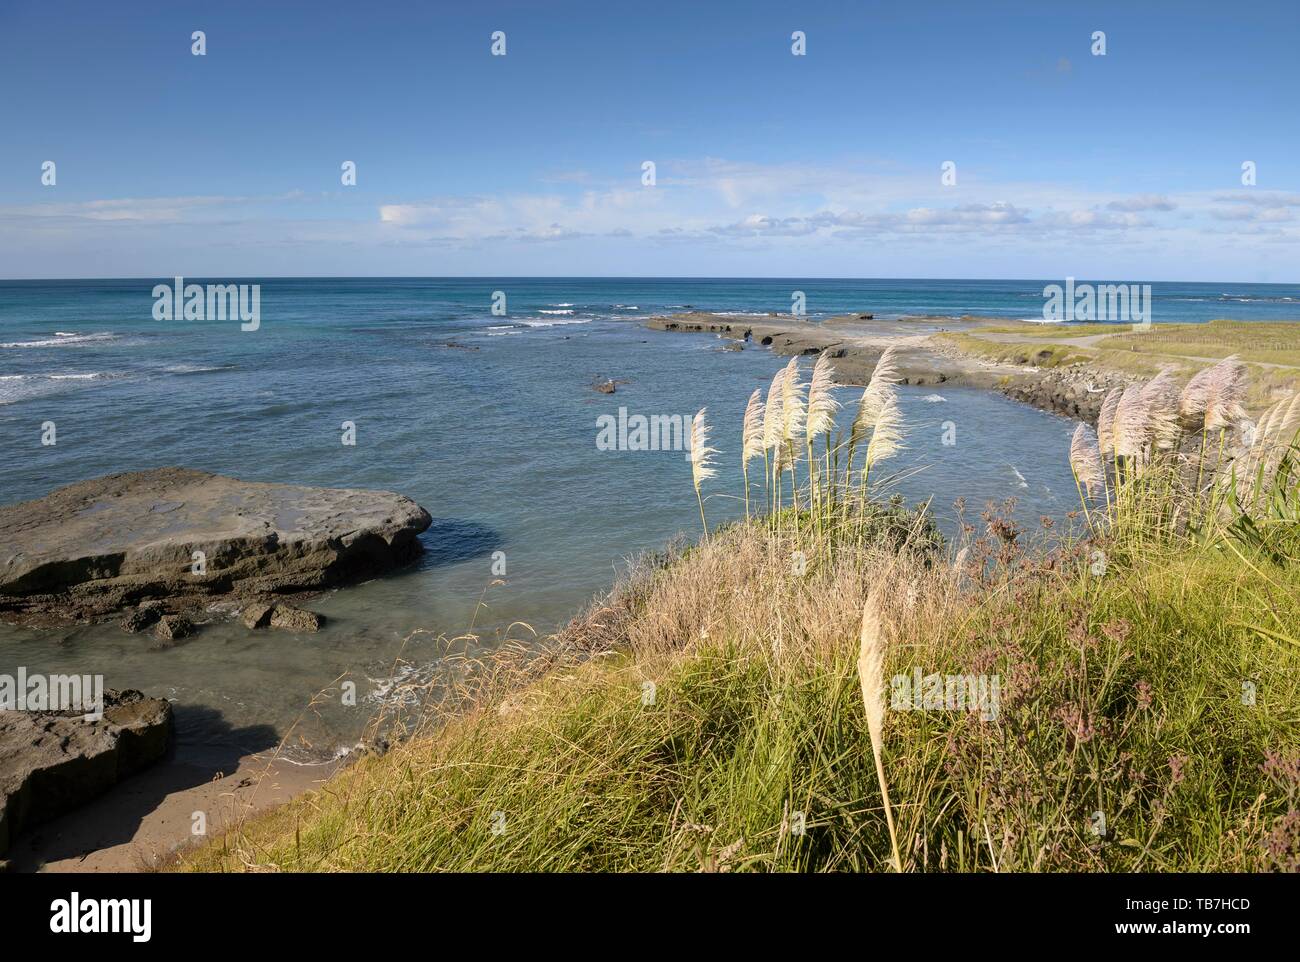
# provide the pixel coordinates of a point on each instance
(144, 820)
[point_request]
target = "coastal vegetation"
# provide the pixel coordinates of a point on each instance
(1270, 351)
(827, 685)
(1259, 341)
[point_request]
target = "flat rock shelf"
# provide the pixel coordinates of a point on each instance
(185, 538)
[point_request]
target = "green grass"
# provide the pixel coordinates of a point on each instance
(1268, 343)
(1144, 354)
(1029, 354)
(708, 715)
(1050, 331)
(1122, 694)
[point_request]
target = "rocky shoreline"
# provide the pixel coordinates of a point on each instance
(172, 541)
(160, 549)
(54, 761)
(856, 342)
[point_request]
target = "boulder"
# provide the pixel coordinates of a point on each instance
(143, 617)
(92, 549)
(51, 762)
(171, 628)
(257, 615)
(290, 618)
(605, 387)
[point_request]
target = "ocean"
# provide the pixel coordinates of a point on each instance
(490, 422)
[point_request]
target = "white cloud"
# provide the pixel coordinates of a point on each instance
(1138, 202)
(736, 215)
(144, 209)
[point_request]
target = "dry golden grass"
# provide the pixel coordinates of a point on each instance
(1262, 342)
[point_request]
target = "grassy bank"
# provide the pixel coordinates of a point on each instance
(1271, 352)
(1123, 695)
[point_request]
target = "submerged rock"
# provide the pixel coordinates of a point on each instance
(51, 762)
(187, 537)
(290, 618)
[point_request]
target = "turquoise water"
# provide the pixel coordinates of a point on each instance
(489, 422)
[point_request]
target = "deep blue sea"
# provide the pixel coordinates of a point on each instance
(488, 421)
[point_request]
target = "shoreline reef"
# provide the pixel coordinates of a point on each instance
(1062, 369)
(170, 542)
(165, 550)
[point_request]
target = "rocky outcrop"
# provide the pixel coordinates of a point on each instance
(187, 538)
(147, 615)
(854, 355)
(289, 618)
(257, 615)
(52, 762)
(172, 628)
(1074, 392)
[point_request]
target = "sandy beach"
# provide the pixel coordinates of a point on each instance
(148, 818)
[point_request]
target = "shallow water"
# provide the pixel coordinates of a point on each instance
(494, 434)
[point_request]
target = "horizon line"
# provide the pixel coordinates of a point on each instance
(619, 277)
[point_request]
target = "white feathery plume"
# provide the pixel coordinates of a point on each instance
(871, 676)
(701, 461)
(1265, 424)
(1196, 395)
(1274, 435)
(886, 433)
(1280, 429)
(793, 411)
(1226, 390)
(1106, 422)
(752, 434)
(821, 403)
(1085, 459)
(1191, 404)
(701, 454)
(873, 398)
(1130, 423)
(1160, 396)
(871, 669)
(772, 419)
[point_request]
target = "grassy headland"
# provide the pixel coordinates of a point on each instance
(1127, 693)
(1271, 351)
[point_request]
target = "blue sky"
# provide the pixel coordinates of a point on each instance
(1125, 166)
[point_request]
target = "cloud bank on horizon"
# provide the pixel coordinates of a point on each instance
(790, 141)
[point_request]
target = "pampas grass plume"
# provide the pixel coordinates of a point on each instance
(871, 675)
